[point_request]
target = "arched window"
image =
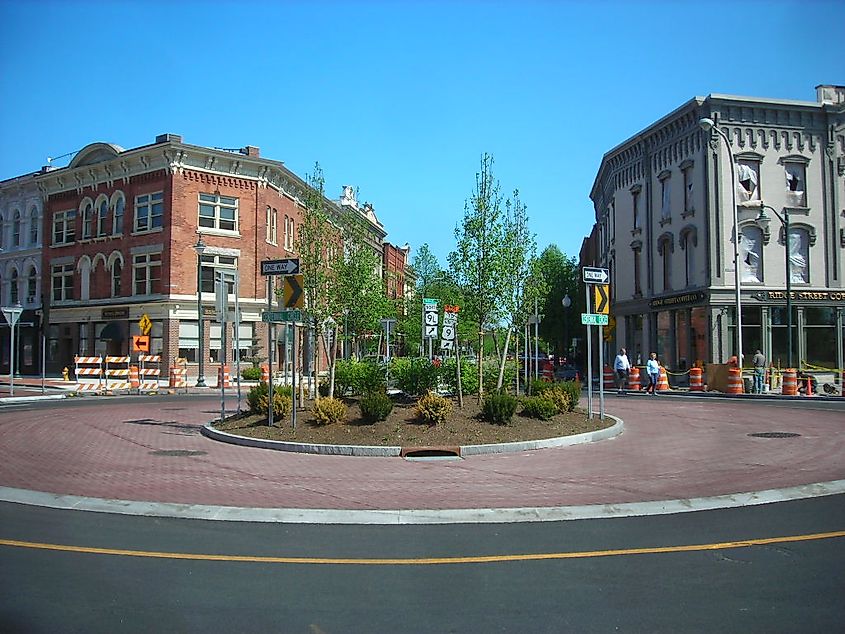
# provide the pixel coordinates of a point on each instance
(32, 285)
(119, 203)
(102, 214)
(116, 271)
(14, 296)
(799, 256)
(16, 228)
(87, 213)
(84, 269)
(689, 240)
(665, 248)
(34, 226)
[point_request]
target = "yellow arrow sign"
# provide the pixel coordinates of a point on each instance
(602, 298)
(292, 295)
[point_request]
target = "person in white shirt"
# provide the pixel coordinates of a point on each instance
(653, 369)
(622, 365)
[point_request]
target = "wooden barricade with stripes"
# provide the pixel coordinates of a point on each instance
(89, 374)
(179, 375)
(117, 373)
(149, 372)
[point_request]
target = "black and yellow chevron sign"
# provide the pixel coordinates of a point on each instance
(602, 298)
(293, 296)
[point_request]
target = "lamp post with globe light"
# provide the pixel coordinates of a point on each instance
(566, 302)
(707, 125)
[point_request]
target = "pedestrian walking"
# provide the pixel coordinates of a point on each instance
(759, 363)
(653, 369)
(622, 366)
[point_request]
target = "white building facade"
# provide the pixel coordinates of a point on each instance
(665, 222)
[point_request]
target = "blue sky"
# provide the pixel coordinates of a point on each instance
(400, 99)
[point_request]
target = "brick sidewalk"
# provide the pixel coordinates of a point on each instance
(671, 449)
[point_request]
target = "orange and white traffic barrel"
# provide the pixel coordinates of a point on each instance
(634, 379)
(663, 380)
(790, 382)
(734, 381)
(696, 380)
(223, 376)
(608, 378)
(265, 374)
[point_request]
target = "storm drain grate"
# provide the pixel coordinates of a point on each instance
(775, 434)
(177, 453)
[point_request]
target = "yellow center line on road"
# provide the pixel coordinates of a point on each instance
(423, 561)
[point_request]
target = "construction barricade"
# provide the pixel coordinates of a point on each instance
(696, 381)
(149, 372)
(608, 378)
(223, 377)
(89, 374)
(734, 381)
(634, 379)
(265, 374)
(663, 380)
(179, 376)
(117, 374)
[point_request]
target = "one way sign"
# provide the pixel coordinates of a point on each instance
(601, 295)
(595, 275)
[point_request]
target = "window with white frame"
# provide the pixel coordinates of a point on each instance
(102, 214)
(32, 286)
(289, 236)
(62, 275)
(272, 222)
(116, 272)
(747, 180)
(146, 273)
(149, 209)
(64, 227)
(87, 213)
(796, 183)
(119, 210)
(665, 196)
(751, 254)
(34, 225)
(218, 212)
(799, 255)
(16, 228)
(189, 340)
(211, 262)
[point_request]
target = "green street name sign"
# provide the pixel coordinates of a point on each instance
(281, 316)
(428, 300)
(588, 319)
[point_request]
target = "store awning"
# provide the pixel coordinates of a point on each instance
(113, 331)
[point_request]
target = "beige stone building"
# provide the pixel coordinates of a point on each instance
(665, 219)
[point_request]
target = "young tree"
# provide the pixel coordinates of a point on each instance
(477, 264)
(561, 275)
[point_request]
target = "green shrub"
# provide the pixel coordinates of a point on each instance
(251, 374)
(370, 377)
(345, 376)
(258, 400)
(375, 406)
(469, 376)
(415, 376)
(560, 397)
(491, 376)
(498, 408)
(434, 408)
(539, 407)
(536, 387)
(573, 391)
(329, 410)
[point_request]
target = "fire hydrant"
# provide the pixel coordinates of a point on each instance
(65, 376)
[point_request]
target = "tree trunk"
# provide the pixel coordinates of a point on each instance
(504, 359)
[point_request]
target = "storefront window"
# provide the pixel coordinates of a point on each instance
(698, 333)
(819, 336)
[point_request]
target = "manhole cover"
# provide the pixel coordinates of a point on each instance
(774, 434)
(177, 453)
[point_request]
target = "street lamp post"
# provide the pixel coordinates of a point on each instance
(764, 220)
(708, 125)
(12, 314)
(567, 302)
(199, 247)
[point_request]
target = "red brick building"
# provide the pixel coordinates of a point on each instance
(119, 231)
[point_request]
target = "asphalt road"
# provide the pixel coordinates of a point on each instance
(162, 574)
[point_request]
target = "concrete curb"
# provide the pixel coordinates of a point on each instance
(393, 452)
(398, 517)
